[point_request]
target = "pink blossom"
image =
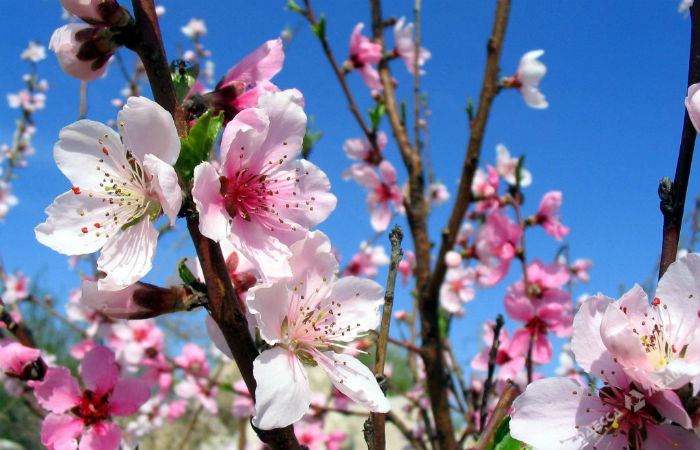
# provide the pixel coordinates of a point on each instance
(308, 318)
(17, 360)
(580, 269)
(136, 339)
(199, 389)
(658, 344)
(692, 104)
(367, 260)
(87, 413)
(67, 42)
(193, 360)
(453, 259)
(485, 189)
(311, 435)
(560, 413)
(35, 52)
(456, 290)
(498, 238)
(79, 350)
(89, 9)
(195, 29)
(384, 191)
(7, 200)
(364, 53)
(507, 357)
(16, 287)
(438, 194)
(527, 79)
(242, 406)
(406, 266)
(506, 167)
(262, 197)
(27, 101)
(406, 48)
(361, 149)
(547, 215)
(245, 82)
(119, 190)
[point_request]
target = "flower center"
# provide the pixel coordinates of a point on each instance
(92, 408)
(246, 194)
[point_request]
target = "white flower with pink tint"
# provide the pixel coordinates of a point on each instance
(406, 266)
(692, 104)
(262, 197)
(507, 166)
(453, 259)
(67, 42)
(243, 406)
(361, 149)
(308, 319)
(17, 360)
(406, 46)
(135, 339)
(437, 193)
(364, 53)
(121, 185)
(35, 52)
(457, 290)
(88, 413)
(367, 260)
(195, 28)
(199, 388)
(658, 344)
(485, 189)
(383, 192)
(89, 9)
(527, 79)
(580, 269)
(16, 287)
(7, 200)
(561, 413)
(548, 216)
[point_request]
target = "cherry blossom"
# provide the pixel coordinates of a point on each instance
(658, 344)
(16, 287)
(87, 413)
(496, 245)
(195, 28)
(527, 79)
(134, 340)
(364, 53)
(19, 361)
(367, 260)
(7, 200)
(692, 104)
(92, 10)
(547, 215)
(485, 189)
(361, 149)
(406, 266)
(119, 190)
(243, 405)
(580, 269)
(406, 47)
(35, 52)
(68, 42)
(307, 319)
(507, 357)
(438, 194)
(262, 197)
(561, 413)
(384, 191)
(456, 290)
(506, 167)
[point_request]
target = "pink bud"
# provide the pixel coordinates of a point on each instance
(66, 46)
(401, 315)
(95, 11)
(453, 259)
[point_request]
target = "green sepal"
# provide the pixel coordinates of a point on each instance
(376, 114)
(518, 170)
(184, 77)
(320, 28)
(310, 138)
(292, 6)
(185, 273)
(196, 146)
(502, 440)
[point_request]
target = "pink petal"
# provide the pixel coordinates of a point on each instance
(59, 431)
(269, 255)
(623, 343)
(262, 64)
(679, 289)
(128, 256)
(217, 337)
(587, 345)
(312, 260)
(59, 391)
(670, 407)
(270, 305)
(692, 103)
(243, 135)
(164, 182)
(128, 396)
(313, 187)
(118, 304)
(64, 43)
(99, 370)
(206, 192)
(353, 379)
(371, 77)
(15, 356)
(102, 436)
(250, 98)
(283, 394)
(148, 128)
(667, 436)
(359, 300)
(380, 217)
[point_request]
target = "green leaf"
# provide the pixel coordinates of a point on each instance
(502, 438)
(184, 76)
(518, 169)
(443, 324)
(185, 273)
(310, 139)
(376, 114)
(320, 28)
(470, 109)
(403, 112)
(292, 6)
(196, 147)
(228, 387)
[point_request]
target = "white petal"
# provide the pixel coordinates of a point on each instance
(217, 337)
(283, 394)
(679, 290)
(165, 183)
(270, 304)
(270, 256)
(312, 260)
(148, 128)
(359, 301)
(128, 256)
(242, 138)
(355, 380)
(206, 192)
(313, 187)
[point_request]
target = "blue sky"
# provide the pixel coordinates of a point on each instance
(615, 84)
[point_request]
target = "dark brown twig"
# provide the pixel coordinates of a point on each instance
(673, 196)
(492, 365)
(504, 402)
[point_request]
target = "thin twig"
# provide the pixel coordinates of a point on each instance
(492, 365)
(507, 397)
(408, 434)
(416, 76)
(58, 316)
(21, 332)
(377, 420)
(198, 411)
(673, 202)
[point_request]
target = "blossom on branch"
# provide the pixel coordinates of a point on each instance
(527, 79)
(121, 185)
(406, 46)
(364, 53)
(308, 319)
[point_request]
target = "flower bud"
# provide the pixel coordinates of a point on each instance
(453, 259)
(96, 12)
(81, 50)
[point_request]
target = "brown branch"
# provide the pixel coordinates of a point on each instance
(21, 332)
(416, 75)
(507, 397)
(489, 90)
(377, 420)
(408, 434)
(492, 365)
(673, 202)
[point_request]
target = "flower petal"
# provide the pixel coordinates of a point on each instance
(283, 394)
(146, 127)
(206, 192)
(354, 379)
(164, 182)
(59, 391)
(270, 305)
(99, 370)
(59, 431)
(102, 436)
(128, 396)
(264, 63)
(359, 301)
(128, 256)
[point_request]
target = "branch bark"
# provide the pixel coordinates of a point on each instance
(672, 206)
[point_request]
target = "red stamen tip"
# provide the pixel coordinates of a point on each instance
(76, 190)
(84, 229)
(105, 151)
(97, 225)
(656, 301)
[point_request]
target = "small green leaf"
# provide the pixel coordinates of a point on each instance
(228, 387)
(310, 139)
(185, 273)
(518, 169)
(470, 109)
(320, 28)
(376, 114)
(502, 438)
(403, 112)
(292, 6)
(196, 147)
(184, 76)
(443, 324)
